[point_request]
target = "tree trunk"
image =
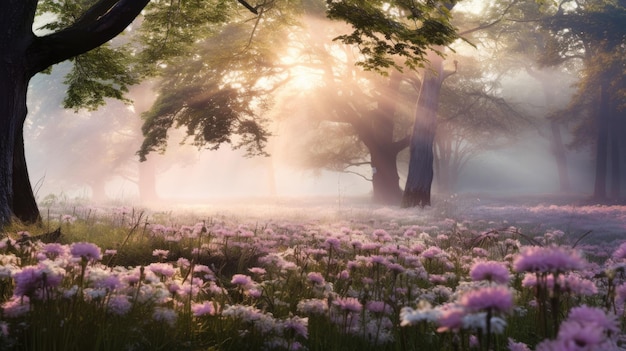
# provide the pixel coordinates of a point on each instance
(443, 162)
(615, 133)
(24, 202)
(382, 148)
(599, 191)
(420, 177)
(558, 150)
(15, 36)
(385, 179)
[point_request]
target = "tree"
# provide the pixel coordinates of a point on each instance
(23, 55)
(416, 32)
(170, 31)
(353, 118)
(373, 127)
(473, 117)
(593, 32)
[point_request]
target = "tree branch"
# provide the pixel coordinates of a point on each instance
(101, 23)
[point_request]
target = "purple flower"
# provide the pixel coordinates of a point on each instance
(316, 278)
(119, 305)
(333, 243)
(54, 250)
(497, 298)
(88, 251)
(491, 271)
(620, 252)
(32, 278)
(547, 259)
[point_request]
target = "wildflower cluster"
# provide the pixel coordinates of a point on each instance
(297, 286)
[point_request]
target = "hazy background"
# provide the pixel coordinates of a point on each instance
(74, 154)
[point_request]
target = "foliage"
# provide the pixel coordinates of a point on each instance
(223, 90)
(384, 29)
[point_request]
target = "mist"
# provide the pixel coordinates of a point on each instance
(92, 154)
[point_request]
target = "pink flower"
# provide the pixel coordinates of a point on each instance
(497, 298)
(201, 309)
(621, 293)
(517, 346)
(88, 251)
(161, 254)
(432, 252)
(313, 306)
(298, 325)
(349, 304)
(257, 270)
(451, 319)
(377, 307)
(577, 336)
(242, 280)
(162, 269)
(15, 307)
(547, 259)
(585, 315)
(491, 271)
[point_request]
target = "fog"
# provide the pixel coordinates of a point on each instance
(72, 154)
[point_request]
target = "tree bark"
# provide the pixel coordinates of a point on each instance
(385, 179)
(615, 133)
(382, 148)
(420, 177)
(599, 191)
(24, 202)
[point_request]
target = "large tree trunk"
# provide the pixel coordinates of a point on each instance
(382, 148)
(385, 179)
(24, 202)
(615, 136)
(15, 36)
(420, 177)
(602, 140)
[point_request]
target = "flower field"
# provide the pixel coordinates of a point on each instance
(453, 277)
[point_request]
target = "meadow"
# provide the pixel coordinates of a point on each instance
(466, 274)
